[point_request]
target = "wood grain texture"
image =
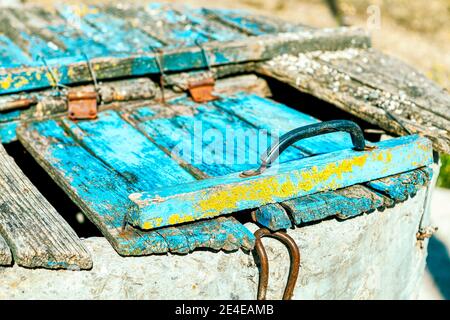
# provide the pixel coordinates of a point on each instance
(5, 253)
(401, 187)
(279, 119)
(100, 187)
(76, 70)
(371, 86)
(120, 94)
(221, 195)
(37, 235)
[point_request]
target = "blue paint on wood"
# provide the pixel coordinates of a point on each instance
(279, 119)
(127, 151)
(242, 20)
(113, 33)
(217, 158)
(10, 116)
(343, 203)
(8, 131)
(401, 187)
(218, 196)
(215, 142)
(103, 187)
(99, 190)
(273, 216)
(11, 55)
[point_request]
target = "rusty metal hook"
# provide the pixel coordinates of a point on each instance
(294, 254)
(91, 72)
(55, 82)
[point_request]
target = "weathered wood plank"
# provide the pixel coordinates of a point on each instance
(127, 151)
(279, 119)
(117, 35)
(113, 95)
(211, 130)
(375, 69)
(11, 55)
(222, 195)
(250, 23)
(174, 26)
(205, 137)
(37, 235)
(401, 187)
(5, 253)
(343, 203)
(250, 49)
(397, 103)
(273, 216)
(102, 194)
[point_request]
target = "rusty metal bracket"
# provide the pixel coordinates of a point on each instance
(82, 105)
(202, 90)
(294, 254)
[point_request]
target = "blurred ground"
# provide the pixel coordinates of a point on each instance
(416, 31)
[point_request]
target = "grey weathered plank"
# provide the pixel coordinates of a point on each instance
(5, 253)
(373, 87)
(37, 235)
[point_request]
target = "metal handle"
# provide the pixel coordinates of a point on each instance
(308, 131)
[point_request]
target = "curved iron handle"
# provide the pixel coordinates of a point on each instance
(308, 131)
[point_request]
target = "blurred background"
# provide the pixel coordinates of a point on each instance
(416, 31)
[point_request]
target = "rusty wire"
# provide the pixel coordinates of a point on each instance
(294, 254)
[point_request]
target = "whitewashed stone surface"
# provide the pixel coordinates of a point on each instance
(374, 256)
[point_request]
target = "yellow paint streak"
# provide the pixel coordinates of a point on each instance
(176, 218)
(267, 189)
(50, 79)
(21, 81)
(6, 83)
(155, 223)
(71, 72)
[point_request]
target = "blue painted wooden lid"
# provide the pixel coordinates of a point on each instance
(39, 49)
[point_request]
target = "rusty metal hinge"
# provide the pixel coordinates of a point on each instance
(202, 90)
(82, 105)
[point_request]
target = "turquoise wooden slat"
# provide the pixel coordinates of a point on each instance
(222, 195)
(11, 55)
(188, 130)
(241, 20)
(99, 191)
(113, 33)
(216, 143)
(279, 119)
(215, 31)
(273, 216)
(66, 32)
(127, 151)
(8, 131)
(343, 203)
(102, 194)
(140, 162)
(401, 187)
